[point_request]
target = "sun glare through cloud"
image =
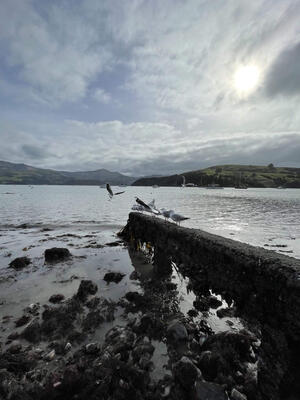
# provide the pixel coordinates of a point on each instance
(246, 79)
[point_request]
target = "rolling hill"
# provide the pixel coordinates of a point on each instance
(23, 174)
(231, 175)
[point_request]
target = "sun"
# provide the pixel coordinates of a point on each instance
(246, 79)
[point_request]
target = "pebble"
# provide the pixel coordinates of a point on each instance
(92, 348)
(236, 395)
(68, 346)
(50, 356)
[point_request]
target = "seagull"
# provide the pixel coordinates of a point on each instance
(177, 217)
(165, 213)
(153, 207)
(110, 192)
(141, 206)
(141, 203)
(138, 207)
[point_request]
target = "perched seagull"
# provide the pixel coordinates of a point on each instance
(165, 213)
(138, 207)
(177, 217)
(110, 192)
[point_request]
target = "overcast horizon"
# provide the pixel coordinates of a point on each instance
(147, 88)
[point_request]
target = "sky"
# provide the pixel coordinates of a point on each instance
(149, 87)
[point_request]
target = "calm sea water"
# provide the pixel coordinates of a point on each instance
(268, 218)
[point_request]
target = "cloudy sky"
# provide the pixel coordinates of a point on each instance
(149, 87)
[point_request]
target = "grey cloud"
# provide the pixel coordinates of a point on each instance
(284, 74)
(280, 149)
(283, 149)
(35, 152)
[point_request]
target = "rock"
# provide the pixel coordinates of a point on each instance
(68, 347)
(226, 312)
(201, 303)
(146, 322)
(33, 308)
(186, 372)
(56, 298)
(13, 336)
(239, 343)
(208, 363)
(208, 390)
(50, 356)
(136, 298)
(93, 303)
(214, 302)
(6, 380)
(86, 288)
(20, 263)
(144, 362)
(32, 332)
(177, 331)
(15, 347)
(236, 395)
(22, 321)
(171, 285)
(134, 275)
(113, 277)
(58, 322)
(18, 363)
(92, 348)
(228, 352)
(56, 254)
(192, 313)
(92, 320)
(114, 244)
(119, 339)
(142, 349)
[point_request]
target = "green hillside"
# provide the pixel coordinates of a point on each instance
(231, 176)
(23, 174)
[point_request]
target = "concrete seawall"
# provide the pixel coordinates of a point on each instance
(264, 285)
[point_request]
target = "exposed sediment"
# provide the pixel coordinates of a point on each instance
(264, 285)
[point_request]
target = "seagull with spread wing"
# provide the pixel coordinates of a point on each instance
(141, 203)
(110, 192)
(151, 208)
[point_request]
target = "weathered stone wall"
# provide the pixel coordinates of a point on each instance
(264, 285)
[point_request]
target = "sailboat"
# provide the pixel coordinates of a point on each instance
(183, 181)
(184, 184)
(239, 184)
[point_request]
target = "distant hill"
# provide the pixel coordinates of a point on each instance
(11, 173)
(231, 176)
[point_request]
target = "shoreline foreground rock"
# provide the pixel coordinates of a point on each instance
(57, 254)
(20, 263)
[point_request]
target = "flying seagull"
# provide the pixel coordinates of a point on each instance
(177, 217)
(110, 192)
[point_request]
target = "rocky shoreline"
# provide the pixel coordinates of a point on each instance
(263, 285)
(152, 351)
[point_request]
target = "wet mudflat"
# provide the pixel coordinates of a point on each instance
(101, 323)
